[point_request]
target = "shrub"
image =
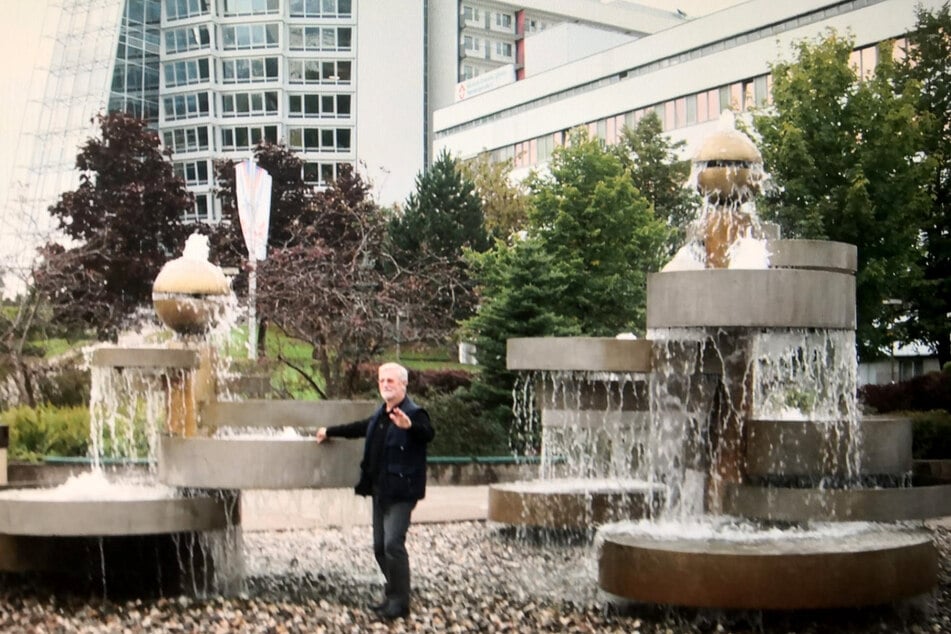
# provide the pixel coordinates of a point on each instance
(64, 387)
(931, 439)
(923, 393)
(461, 430)
(47, 431)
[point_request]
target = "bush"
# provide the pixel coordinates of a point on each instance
(47, 431)
(931, 439)
(64, 387)
(923, 393)
(461, 430)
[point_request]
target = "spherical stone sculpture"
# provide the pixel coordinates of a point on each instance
(188, 294)
(729, 167)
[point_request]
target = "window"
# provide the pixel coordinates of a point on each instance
(244, 36)
(503, 48)
(503, 20)
(202, 212)
(322, 173)
(249, 103)
(319, 139)
(187, 139)
(321, 8)
(314, 71)
(187, 39)
(320, 38)
(186, 72)
(249, 70)
(182, 9)
(327, 106)
(251, 7)
(192, 172)
(187, 106)
(246, 137)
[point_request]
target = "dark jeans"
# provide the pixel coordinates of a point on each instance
(390, 523)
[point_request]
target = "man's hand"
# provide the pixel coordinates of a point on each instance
(400, 419)
(322, 434)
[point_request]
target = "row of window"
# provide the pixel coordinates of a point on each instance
(199, 172)
(247, 70)
(680, 112)
(244, 104)
(485, 47)
(496, 20)
(184, 9)
(239, 37)
(246, 137)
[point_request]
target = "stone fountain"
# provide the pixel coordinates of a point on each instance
(763, 486)
(177, 529)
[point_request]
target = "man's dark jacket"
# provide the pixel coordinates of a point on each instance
(402, 469)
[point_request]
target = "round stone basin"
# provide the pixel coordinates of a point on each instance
(259, 462)
(572, 503)
(718, 566)
(86, 507)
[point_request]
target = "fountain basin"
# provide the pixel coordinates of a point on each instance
(144, 357)
(571, 503)
(259, 463)
(764, 298)
(838, 505)
(284, 413)
(778, 571)
(90, 518)
(787, 448)
(595, 354)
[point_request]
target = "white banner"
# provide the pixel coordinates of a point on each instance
(252, 186)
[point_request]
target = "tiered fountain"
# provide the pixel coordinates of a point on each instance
(178, 528)
(768, 489)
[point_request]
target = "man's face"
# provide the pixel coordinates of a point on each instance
(392, 388)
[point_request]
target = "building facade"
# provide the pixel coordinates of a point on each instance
(688, 74)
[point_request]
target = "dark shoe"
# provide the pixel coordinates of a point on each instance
(394, 611)
(377, 607)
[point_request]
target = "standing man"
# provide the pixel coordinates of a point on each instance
(393, 472)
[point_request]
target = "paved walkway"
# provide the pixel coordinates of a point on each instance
(318, 508)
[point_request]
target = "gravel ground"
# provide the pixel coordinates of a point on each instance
(467, 577)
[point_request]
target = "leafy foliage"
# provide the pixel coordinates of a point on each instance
(443, 218)
(844, 149)
(926, 69)
(47, 431)
(504, 203)
(126, 216)
(660, 175)
(581, 267)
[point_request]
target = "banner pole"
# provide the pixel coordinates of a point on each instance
(252, 310)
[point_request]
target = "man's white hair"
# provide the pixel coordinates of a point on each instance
(402, 372)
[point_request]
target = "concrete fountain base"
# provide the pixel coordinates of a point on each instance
(577, 504)
(781, 570)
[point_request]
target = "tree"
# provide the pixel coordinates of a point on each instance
(843, 150)
(926, 69)
(442, 219)
(291, 202)
(518, 285)
(580, 268)
(337, 287)
(126, 216)
(601, 233)
(659, 175)
(504, 203)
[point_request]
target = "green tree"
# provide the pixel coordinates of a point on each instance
(504, 202)
(441, 220)
(580, 269)
(126, 217)
(659, 174)
(601, 233)
(926, 68)
(843, 150)
(519, 285)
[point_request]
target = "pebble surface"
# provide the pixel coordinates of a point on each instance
(467, 577)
